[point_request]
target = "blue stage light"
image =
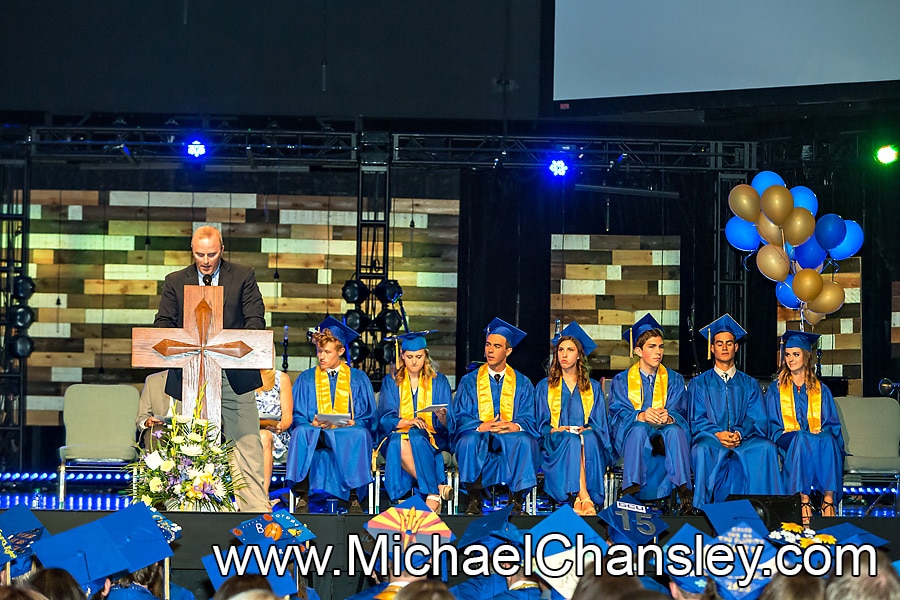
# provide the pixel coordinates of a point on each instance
(558, 167)
(196, 149)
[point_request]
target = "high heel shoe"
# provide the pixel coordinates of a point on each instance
(828, 509)
(806, 509)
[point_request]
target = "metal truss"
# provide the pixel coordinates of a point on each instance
(276, 148)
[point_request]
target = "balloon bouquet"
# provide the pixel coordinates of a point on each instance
(796, 248)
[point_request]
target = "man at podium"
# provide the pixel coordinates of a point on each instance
(243, 309)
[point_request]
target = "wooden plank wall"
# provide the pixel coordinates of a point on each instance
(607, 282)
(99, 258)
(841, 331)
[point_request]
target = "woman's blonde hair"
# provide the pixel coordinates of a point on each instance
(812, 382)
(429, 369)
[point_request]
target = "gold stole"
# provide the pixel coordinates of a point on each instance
(388, 593)
(789, 412)
(342, 397)
(636, 387)
(554, 399)
(408, 409)
(486, 399)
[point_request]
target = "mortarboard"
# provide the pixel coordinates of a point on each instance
(278, 528)
(21, 529)
(575, 330)
(407, 523)
(343, 333)
(848, 534)
(799, 339)
(563, 521)
(686, 537)
(490, 530)
(725, 515)
(87, 552)
(734, 585)
(282, 585)
(136, 535)
(645, 323)
(724, 323)
(631, 523)
(414, 340)
(170, 530)
(513, 334)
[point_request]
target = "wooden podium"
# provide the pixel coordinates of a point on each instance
(202, 348)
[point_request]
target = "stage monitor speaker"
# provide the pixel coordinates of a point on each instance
(773, 510)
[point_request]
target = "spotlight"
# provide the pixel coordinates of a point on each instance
(355, 291)
(196, 149)
(389, 320)
(20, 316)
(886, 387)
(20, 346)
(385, 352)
(358, 351)
(23, 287)
(887, 155)
(558, 167)
(356, 320)
(388, 291)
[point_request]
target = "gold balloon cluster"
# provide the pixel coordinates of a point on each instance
(783, 225)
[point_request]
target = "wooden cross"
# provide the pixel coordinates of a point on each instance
(201, 349)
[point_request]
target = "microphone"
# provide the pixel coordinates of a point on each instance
(284, 356)
(207, 280)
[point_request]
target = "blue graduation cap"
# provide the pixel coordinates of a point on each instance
(724, 323)
(490, 530)
(848, 534)
(645, 323)
(412, 341)
(282, 585)
(21, 529)
(631, 523)
(343, 333)
(575, 330)
(564, 521)
(725, 515)
(687, 537)
(170, 530)
(513, 334)
(87, 552)
(135, 533)
(407, 523)
(736, 585)
(799, 339)
(279, 528)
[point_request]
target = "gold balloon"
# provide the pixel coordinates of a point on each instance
(807, 284)
(773, 262)
(812, 317)
(768, 230)
(830, 300)
(799, 227)
(744, 202)
(777, 203)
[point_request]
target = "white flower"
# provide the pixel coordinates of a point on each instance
(192, 473)
(183, 418)
(209, 468)
(177, 439)
(195, 437)
(215, 449)
(153, 460)
(191, 449)
(201, 422)
(156, 485)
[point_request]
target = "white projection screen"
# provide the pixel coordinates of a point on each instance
(614, 49)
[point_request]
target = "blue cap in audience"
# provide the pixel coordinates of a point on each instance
(631, 523)
(282, 585)
(725, 515)
(87, 552)
(575, 330)
(21, 529)
(513, 334)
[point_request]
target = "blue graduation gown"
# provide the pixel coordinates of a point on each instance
(480, 587)
(810, 460)
(562, 450)
(428, 459)
(508, 458)
(529, 593)
(657, 475)
(738, 405)
(336, 472)
(370, 592)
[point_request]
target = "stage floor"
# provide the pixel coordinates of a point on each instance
(201, 531)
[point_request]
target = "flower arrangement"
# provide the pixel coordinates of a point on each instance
(188, 468)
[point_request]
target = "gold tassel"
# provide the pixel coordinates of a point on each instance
(709, 342)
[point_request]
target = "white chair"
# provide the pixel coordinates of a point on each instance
(100, 430)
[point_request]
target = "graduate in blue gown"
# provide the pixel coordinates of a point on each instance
(413, 441)
(731, 452)
(804, 423)
(649, 420)
(332, 457)
(492, 423)
(572, 418)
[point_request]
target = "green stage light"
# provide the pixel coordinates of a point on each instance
(886, 155)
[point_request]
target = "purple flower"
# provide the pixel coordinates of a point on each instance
(158, 433)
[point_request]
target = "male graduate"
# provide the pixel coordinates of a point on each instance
(730, 451)
(649, 412)
(328, 452)
(493, 425)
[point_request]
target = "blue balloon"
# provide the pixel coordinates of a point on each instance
(741, 234)
(790, 251)
(805, 198)
(830, 231)
(785, 293)
(765, 180)
(809, 254)
(853, 241)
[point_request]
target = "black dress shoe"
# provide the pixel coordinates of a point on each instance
(475, 507)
